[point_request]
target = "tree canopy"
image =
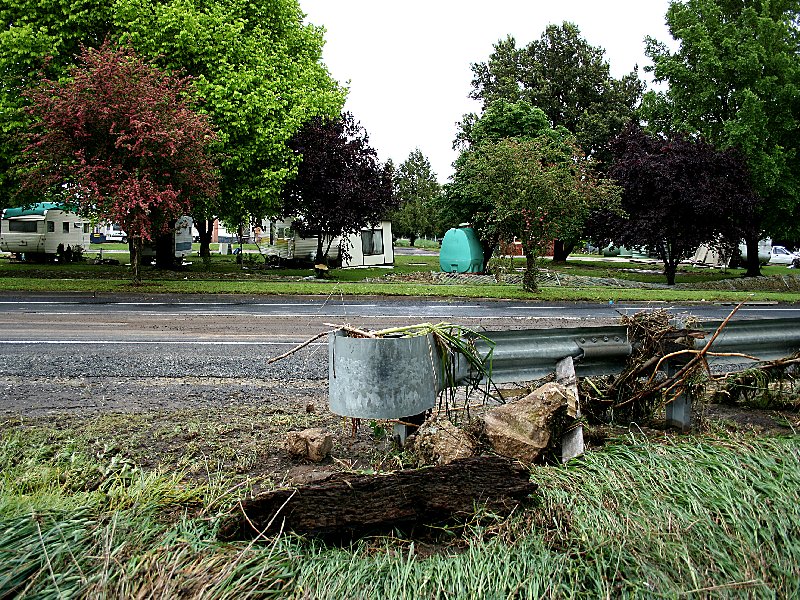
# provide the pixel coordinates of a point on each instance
(517, 176)
(119, 139)
(677, 194)
(735, 80)
(340, 185)
(568, 79)
(416, 191)
(537, 190)
(255, 65)
(462, 202)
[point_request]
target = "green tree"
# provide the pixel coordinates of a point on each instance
(537, 190)
(566, 77)
(255, 65)
(32, 32)
(416, 190)
(461, 201)
(735, 79)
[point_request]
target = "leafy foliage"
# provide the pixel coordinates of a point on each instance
(482, 185)
(258, 69)
(255, 64)
(120, 140)
(677, 194)
(416, 190)
(736, 80)
(566, 77)
(538, 190)
(340, 186)
(46, 34)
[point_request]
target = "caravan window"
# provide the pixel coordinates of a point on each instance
(372, 241)
(22, 226)
(85, 228)
(65, 227)
(51, 226)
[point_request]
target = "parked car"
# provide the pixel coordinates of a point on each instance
(779, 255)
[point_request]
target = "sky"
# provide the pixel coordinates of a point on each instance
(407, 63)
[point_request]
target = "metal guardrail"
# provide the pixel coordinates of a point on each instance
(529, 354)
(766, 339)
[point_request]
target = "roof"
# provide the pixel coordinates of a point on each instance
(35, 209)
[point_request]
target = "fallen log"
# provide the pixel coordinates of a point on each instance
(347, 505)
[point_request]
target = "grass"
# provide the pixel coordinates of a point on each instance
(707, 515)
(409, 277)
(699, 517)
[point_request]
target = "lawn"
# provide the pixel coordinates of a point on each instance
(409, 276)
(713, 514)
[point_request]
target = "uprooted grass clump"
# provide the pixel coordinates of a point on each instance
(771, 385)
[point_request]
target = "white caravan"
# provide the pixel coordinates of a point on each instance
(181, 239)
(43, 229)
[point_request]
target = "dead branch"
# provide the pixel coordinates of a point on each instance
(355, 332)
(298, 347)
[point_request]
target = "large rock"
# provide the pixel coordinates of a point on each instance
(524, 429)
(439, 442)
(313, 444)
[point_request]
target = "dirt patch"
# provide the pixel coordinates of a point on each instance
(234, 430)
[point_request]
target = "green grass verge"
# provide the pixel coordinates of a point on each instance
(336, 288)
(224, 276)
(696, 516)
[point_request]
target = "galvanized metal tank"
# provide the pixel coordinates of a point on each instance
(382, 378)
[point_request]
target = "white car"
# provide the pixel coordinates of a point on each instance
(781, 256)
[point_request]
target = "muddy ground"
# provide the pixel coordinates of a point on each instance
(235, 428)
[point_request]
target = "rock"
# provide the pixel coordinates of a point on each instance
(523, 429)
(313, 444)
(439, 442)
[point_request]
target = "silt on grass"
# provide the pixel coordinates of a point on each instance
(700, 516)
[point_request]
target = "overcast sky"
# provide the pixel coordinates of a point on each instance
(407, 63)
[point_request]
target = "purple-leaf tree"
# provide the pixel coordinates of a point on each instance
(340, 185)
(120, 140)
(677, 194)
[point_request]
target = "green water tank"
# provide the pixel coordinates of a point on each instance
(461, 252)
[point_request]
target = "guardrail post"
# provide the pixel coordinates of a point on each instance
(679, 411)
(572, 444)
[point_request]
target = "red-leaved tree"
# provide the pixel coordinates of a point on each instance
(121, 140)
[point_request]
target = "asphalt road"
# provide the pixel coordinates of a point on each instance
(56, 319)
(72, 352)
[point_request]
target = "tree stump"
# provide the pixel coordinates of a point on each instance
(347, 505)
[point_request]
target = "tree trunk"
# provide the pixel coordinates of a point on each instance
(670, 268)
(411, 240)
(562, 249)
(135, 246)
(488, 246)
(753, 264)
(320, 258)
(348, 505)
(529, 283)
(204, 229)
